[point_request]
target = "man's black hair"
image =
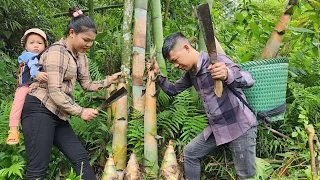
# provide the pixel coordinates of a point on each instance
(170, 43)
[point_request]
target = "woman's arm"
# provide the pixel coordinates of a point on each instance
(84, 77)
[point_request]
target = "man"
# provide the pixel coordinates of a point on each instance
(229, 120)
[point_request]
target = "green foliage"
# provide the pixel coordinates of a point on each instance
(242, 27)
(8, 69)
(135, 137)
(73, 176)
(11, 162)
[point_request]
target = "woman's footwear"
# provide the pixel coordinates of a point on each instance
(13, 137)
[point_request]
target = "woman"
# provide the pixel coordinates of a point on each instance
(49, 104)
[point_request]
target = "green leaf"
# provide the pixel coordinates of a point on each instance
(314, 4)
(246, 57)
(100, 36)
(239, 17)
(263, 169)
(302, 30)
(300, 55)
(294, 134)
(255, 28)
(288, 155)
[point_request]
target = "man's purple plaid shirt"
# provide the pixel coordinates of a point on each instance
(228, 117)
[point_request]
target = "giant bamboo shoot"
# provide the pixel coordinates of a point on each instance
(169, 167)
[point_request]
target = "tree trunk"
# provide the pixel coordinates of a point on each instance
(119, 142)
(150, 127)
(272, 47)
(138, 61)
(158, 33)
(202, 45)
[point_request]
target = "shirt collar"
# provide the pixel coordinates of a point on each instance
(200, 64)
(63, 42)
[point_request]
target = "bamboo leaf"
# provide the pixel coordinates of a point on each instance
(100, 36)
(239, 17)
(246, 57)
(255, 29)
(302, 30)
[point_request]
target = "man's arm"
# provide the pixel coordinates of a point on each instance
(236, 76)
(175, 88)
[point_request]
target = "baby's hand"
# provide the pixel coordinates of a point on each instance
(42, 77)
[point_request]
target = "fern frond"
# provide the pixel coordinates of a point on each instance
(94, 71)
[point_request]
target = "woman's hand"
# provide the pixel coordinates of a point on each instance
(42, 77)
(114, 78)
(89, 114)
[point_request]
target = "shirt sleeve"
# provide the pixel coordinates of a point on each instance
(84, 77)
(174, 88)
(236, 76)
(33, 64)
(55, 65)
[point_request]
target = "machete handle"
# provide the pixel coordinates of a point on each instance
(218, 87)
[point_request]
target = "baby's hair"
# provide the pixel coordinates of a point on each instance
(80, 22)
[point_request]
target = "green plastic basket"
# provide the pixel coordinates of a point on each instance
(269, 90)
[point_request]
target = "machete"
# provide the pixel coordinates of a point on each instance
(204, 17)
(114, 97)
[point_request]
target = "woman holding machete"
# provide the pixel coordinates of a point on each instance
(49, 104)
(229, 121)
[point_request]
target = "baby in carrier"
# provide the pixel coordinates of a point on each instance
(34, 41)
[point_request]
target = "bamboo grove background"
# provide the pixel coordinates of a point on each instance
(242, 27)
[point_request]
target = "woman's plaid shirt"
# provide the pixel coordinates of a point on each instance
(64, 68)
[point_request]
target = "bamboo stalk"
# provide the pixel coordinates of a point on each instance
(272, 47)
(158, 34)
(150, 126)
(311, 133)
(119, 141)
(138, 61)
